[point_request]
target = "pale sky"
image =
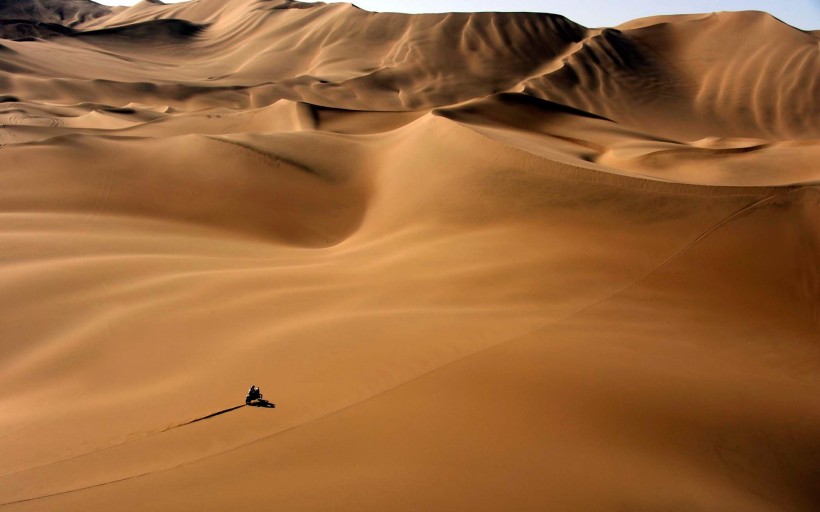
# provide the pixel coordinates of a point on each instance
(803, 14)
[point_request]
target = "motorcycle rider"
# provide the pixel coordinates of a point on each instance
(253, 394)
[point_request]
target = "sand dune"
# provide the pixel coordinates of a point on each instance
(479, 261)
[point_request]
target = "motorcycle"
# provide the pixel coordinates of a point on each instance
(256, 400)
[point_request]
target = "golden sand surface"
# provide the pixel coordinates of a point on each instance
(480, 262)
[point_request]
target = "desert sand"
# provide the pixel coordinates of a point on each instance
(478, 261)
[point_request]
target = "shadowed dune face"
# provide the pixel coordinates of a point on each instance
(27, 19)
(478, 261)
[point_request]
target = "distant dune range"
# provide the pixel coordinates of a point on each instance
(479, 261)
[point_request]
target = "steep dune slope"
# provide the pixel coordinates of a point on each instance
(696, 77)
(479, 261)
(28, 19)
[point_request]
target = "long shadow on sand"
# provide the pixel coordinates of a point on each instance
(258, 403)
(225, 411)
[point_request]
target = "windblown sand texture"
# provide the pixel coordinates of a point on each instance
(481, 262)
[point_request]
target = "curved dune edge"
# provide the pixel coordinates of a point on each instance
(479, 261)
